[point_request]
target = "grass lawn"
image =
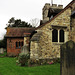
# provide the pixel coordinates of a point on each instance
(4, 54)
(8, 67)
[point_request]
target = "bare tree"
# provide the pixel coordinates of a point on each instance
(35, 22)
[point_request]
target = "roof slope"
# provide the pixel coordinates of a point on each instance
(18, 31)
(36, 36)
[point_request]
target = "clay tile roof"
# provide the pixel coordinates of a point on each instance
(18, 32)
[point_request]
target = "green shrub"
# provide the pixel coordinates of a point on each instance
(37, 62)
(33, 62)
(23, 58)
(44, 62)
(56, 60)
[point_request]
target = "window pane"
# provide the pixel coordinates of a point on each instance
(22, 43)
(16, 44)
(61, 36)
(19, 45)
(54, 35)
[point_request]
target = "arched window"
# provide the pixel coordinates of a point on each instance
(19, 45)
(16, 44)
(61, 36)
(55, 35)
(22, 43)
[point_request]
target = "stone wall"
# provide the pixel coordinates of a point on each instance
(52, 49)
(46, 9)
(73, 7)
(26, 41)
(72, 33)
(34, 49)
(47, 48)
(25, 48)
(34, 46)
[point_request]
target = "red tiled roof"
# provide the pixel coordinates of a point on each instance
(69, 5)
(18, 32)
(26, 33)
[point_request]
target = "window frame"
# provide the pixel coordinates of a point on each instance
(58, 32)
(19, 44)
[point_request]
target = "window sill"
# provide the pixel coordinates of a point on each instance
(18, 48)
(57, 43)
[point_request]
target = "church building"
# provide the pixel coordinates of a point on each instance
(43, 42)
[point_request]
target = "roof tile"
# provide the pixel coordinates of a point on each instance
(18, 32)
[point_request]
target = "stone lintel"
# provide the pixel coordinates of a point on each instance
(57, 26)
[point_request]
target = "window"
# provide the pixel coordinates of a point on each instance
(19, 44)
(54, 35)
(16, 44)
(57, 35)
(22, 43)
(61, 36)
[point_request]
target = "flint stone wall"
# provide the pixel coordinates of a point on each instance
(47, 48)
(25, 48)
(72, 32)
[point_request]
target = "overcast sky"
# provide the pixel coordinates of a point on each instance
(23, 9)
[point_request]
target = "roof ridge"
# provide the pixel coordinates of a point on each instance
(22, 27)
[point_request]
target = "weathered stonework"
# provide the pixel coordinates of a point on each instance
(25, 48)
(34, 45)
(51, 8)
(39, 41)
(72, 32)
(46, 48)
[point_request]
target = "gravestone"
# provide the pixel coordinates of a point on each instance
(1, 50)
(25, 49)
(67, 55)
